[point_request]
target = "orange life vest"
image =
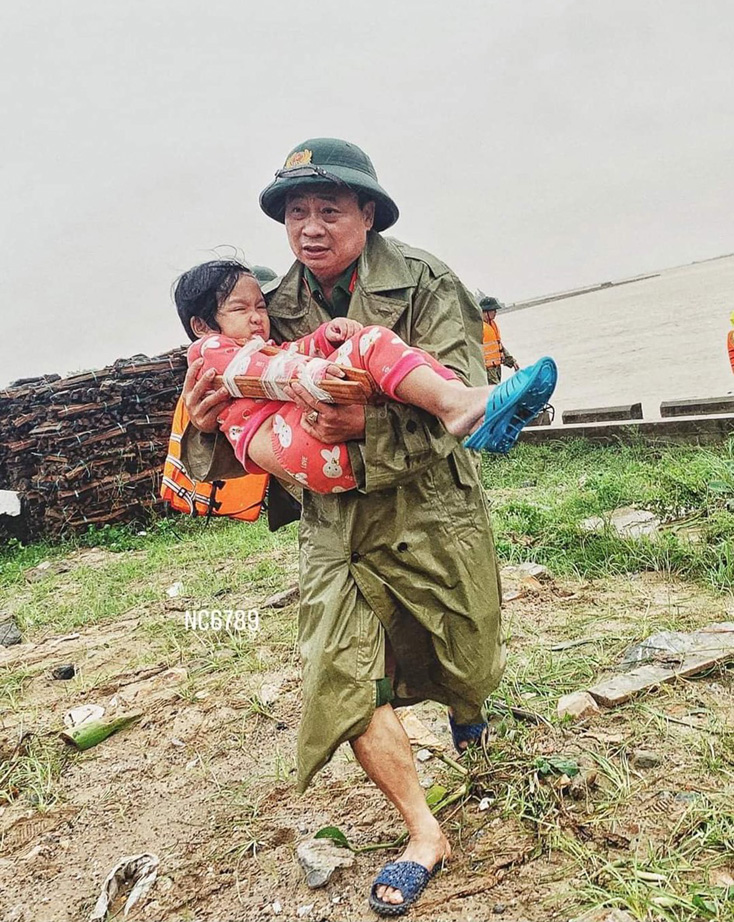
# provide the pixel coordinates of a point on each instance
(730, 344)
(491, 344)
(241, 498)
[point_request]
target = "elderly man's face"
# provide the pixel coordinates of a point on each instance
(327, 230)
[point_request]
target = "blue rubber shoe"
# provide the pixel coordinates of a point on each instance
(466, 733)
(512, 405)
(409, 877)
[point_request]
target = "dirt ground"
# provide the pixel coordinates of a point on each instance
(204, 779)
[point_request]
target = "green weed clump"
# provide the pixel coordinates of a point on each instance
(541, 495)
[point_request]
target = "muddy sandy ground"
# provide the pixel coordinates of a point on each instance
(204, 778)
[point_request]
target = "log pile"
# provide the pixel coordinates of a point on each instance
(88, 449)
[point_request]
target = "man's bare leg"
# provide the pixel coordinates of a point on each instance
(383, 751)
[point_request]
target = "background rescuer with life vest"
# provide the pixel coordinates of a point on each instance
(495, 354)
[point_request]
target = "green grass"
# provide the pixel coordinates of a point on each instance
(541, 494)
(220, 565)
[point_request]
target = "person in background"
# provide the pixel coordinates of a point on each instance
(495, 354)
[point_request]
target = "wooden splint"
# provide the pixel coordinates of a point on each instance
(357, 385)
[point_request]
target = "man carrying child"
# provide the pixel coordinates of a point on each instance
(400, 597)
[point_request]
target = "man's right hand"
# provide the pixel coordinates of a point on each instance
(204, 402)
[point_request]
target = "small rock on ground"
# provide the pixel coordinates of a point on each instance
(526, 570)
(319, 858)
(577, 705)
(9, 634)
(644, 758)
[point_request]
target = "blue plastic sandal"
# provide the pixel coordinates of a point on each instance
(512, 405)
(409, 877)
(466, 733)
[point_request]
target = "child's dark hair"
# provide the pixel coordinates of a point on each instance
(201, 291)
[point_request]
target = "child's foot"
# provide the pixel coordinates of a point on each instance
(464, 408)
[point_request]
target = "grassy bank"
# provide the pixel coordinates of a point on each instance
(542, 494)
(206, 775)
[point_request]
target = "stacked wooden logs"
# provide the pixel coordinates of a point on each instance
(88, 449)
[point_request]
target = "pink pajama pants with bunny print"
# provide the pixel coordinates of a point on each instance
(324, 468)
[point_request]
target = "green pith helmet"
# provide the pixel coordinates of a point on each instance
(324, 160)
(263, 274)
(490, 304)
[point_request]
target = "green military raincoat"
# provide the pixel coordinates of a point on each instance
(410, 553)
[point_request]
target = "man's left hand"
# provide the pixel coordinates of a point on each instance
(333, 422)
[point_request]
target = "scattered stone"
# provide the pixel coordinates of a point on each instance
(666, 645)
(577, 705)
(644, 758)
(281, 599)
(687, 797)
(707, 647)
(64, 672)
(269, 693)
(534, 570)
(627, 521)
(40, 571)
(526, 570)
(9, 634)
(498, 909)
(277, 908)
(721, 878)
(175, 590)
(319, 858)
(423, 755)
(484, 804)
(303, 911)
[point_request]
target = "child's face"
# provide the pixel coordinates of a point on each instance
(244, 315)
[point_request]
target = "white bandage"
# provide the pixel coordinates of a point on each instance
(240, 363)
(310, 374)
(278, 372)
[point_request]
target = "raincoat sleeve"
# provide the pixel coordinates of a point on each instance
(208, 456)
(402, 441)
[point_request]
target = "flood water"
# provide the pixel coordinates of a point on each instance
(655, 339)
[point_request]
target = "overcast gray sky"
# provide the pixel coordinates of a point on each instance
(533, 146)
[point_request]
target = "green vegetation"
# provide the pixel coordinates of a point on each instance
(541, 494)
(561, 799)
(217, 562)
